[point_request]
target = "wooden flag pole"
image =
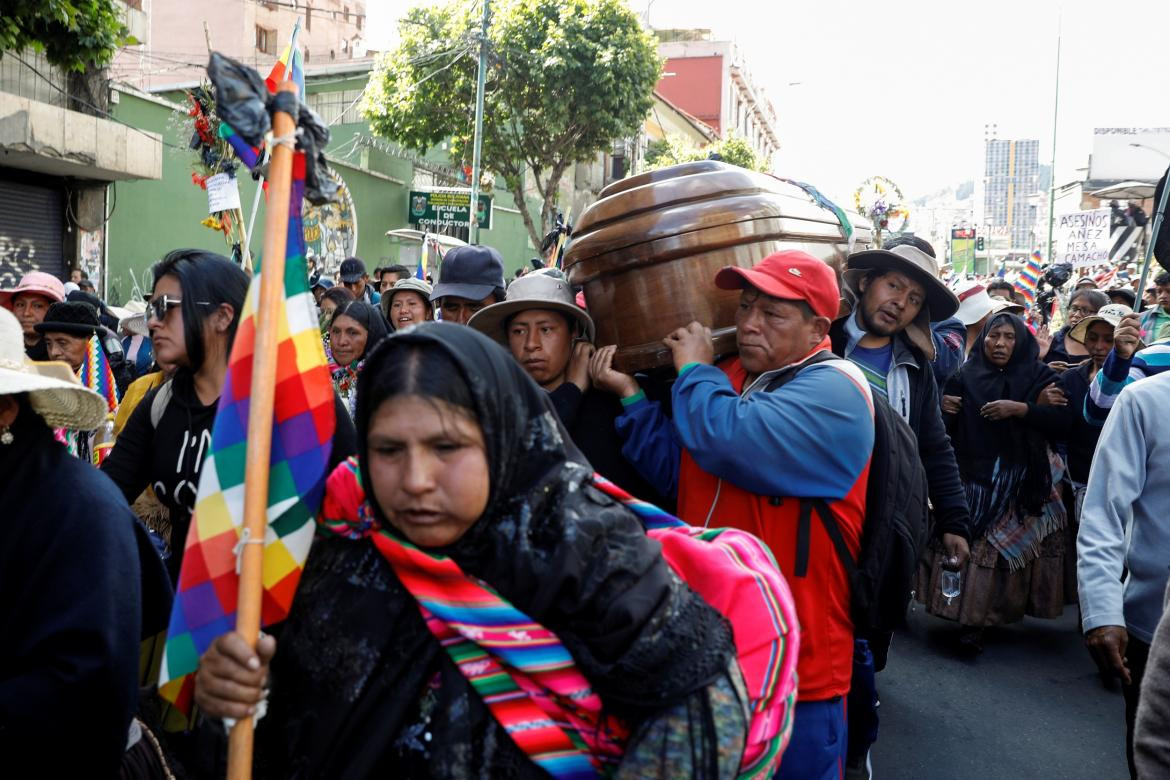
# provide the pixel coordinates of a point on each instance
(259, 449)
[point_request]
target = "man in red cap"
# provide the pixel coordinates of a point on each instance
(782, 421)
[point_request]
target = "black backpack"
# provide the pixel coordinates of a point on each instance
(896, 521)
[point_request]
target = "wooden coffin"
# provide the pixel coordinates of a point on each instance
(647, 251)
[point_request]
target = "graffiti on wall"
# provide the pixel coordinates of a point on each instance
(130, 286)
(18, 256)
(331, 230)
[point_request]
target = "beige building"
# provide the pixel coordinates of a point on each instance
(254, 32)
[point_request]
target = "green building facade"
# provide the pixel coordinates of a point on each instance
(149, 218)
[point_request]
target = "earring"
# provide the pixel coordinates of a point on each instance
(6, 436)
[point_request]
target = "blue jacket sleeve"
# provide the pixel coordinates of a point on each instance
(809, 438)
(650, 444)
(950, 339)
(1115, 374)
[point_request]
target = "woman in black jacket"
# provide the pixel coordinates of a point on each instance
(194, 311)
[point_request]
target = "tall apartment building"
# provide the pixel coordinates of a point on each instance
(253, 32)
(710, 81)
(1011, 188)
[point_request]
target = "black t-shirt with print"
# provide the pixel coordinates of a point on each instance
(168, 457)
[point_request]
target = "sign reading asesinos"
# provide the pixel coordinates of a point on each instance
(1082, 238)
(446, 208)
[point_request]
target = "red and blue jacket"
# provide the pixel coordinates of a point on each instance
(743, 457)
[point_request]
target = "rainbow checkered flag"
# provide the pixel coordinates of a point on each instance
(302, 433)
(1029, 278)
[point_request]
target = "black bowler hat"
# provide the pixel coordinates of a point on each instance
(74, 318)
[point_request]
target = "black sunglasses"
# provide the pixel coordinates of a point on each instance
(159, 307)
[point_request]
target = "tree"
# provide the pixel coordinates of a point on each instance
(75, 35)
(733, 150)
(565, 79)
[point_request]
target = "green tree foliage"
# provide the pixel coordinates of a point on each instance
(733, 150)
(74, 34)
(566, 78)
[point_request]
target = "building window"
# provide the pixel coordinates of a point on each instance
(339, 107)
(345, 12)
(357, 18)
(308, 18)
(265, 40)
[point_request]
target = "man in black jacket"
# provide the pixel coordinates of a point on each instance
(897, 294)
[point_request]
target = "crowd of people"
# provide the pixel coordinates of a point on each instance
(1030, 448)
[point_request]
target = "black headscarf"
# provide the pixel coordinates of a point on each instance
(369, 317)
(1021, 451)
(571, 558)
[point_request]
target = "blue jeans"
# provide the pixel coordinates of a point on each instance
(817, 748)
(863, 701)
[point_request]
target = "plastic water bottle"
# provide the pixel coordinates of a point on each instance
(951, 583)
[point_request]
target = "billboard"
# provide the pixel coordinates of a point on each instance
(1082, 238)
(1129, 153)
(963, 250)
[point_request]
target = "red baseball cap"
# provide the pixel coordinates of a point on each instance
(790, 275)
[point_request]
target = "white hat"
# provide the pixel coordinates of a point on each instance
(54, 391)
(974, 304)
(132, 317)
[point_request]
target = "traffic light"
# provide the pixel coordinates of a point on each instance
(979, 244)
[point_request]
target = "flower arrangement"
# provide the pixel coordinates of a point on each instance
(881, 202)
(214, 156)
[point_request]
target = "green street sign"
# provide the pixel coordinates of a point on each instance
(449, 208)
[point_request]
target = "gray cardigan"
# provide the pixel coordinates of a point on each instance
(1151, 741)
(1128, 491)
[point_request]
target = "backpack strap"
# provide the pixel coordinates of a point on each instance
(162, 399)
(804, 536)
(788, 374)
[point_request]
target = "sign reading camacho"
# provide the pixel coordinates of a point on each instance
(431, 210)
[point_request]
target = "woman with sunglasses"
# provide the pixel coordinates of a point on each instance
(194, 310)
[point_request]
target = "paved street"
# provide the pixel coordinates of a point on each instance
(1031, 706)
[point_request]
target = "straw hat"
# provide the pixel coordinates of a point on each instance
(1111, 314)
(54, 391)
(999, 304)
(533, 291)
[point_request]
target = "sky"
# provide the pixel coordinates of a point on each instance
(904, 90)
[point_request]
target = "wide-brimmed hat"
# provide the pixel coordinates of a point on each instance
(132, 317)
(72, 317)
(1111, 314)
(941, 303)
(54, 391)
(974, 304)
(471, 272)
(37, 282)
(999, 304)
(534, 291)
(410, 284)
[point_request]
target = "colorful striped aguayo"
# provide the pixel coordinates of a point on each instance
(736, 574)
(519, 668)
(1029, 278)
(302, 431)
(97, 374)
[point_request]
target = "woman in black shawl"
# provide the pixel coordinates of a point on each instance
(360, 685)
(354, 330)
(1012, 482)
